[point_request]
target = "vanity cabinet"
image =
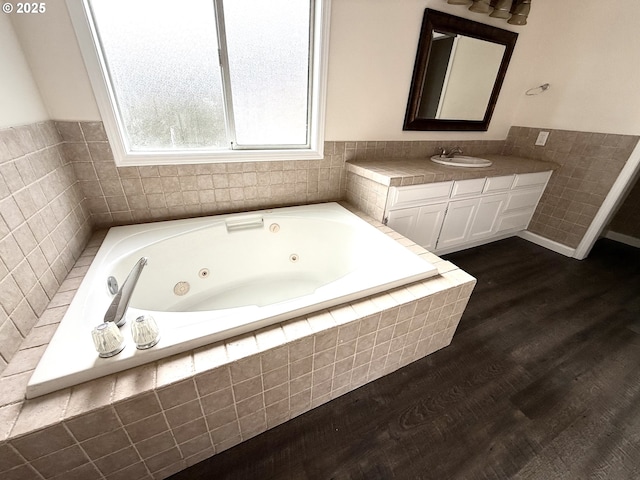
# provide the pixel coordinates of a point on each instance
(456, 228)
(449, 216)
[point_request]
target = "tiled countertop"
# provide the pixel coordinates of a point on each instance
(414, 171)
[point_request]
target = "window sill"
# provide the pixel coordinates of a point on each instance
(227, 156)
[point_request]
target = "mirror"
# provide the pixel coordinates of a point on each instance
(459, 69)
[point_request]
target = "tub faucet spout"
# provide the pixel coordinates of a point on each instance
(118, 308)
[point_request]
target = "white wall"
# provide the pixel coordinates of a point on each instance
(373, 48)
(589, 51)
(52, 51)
(586, 50)
(20, 102)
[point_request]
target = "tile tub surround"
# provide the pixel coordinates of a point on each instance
(44, 225)
(125, 195)
(157, 419)
(589, 165)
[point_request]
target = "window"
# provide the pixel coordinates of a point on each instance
(206, 80)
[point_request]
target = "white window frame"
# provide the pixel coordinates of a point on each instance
(105, 99)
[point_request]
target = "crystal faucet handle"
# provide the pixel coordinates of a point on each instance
(107, 339)
(145, 332)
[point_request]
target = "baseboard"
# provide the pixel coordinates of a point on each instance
(622, 238)
(546, 243)
(477, 243)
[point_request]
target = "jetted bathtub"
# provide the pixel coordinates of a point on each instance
(209, 279)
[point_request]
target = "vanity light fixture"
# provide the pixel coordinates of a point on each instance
(502, 9)
(514, 11)
(480, 6)
(520, 12)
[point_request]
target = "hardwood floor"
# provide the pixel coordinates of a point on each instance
(542, 381)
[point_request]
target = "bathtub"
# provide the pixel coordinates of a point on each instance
(209, 279)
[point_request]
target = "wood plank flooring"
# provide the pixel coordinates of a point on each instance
(542, 381)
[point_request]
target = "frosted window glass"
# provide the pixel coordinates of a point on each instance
(268, 47)
(162, 58)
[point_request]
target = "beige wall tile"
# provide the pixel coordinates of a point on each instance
(136, 471)
(137, 408)
(60, 461)
(247, 388)
(9, 458)
(99, 446)
(196, 445)
(217, 401)
(221, 417)
(151, 446)
(275, 358)
(184, 413)
(134, 382)
(177, 394)
(164, 459)
(40, 193)
(213, 381)
(275, 377)
(174, 369)
(226, 436)
(90, 396)
(44, 442)
(147, 428)
(94, 424)
(589, 163)
(41, 412)
(190, 430)
(245, 369)
(117, 461)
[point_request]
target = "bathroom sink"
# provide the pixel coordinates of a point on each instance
(462, 161)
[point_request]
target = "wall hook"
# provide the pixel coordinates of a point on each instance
(537, 90)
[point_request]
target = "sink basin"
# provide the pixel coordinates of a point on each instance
(462, 161)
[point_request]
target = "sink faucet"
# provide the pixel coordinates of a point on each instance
(451, 153)
(118, 308)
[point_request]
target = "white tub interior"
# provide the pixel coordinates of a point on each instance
(244, 271)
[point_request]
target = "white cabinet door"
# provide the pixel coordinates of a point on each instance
(403, 221)
(420, 224)
(457, 222)
(428, 225)
(485, 222)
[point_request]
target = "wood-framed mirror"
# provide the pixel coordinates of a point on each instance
(459, 69)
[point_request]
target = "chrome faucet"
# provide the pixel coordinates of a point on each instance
(118, 308)
(451, 153)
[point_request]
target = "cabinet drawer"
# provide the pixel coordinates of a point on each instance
(514, 222)
(465, 188)
(498, 184)
(523, 199)
(400, 197)
(528, 179)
